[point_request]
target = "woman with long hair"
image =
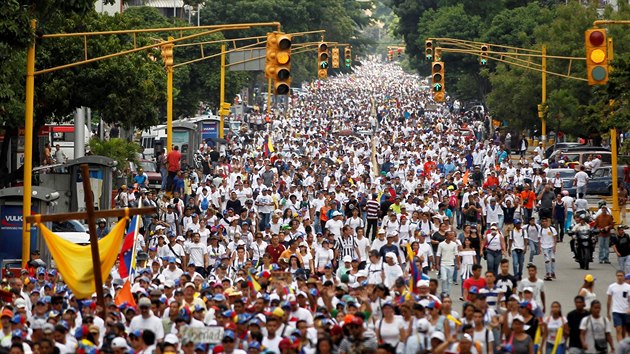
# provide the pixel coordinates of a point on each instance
(390, 329)
(475, 241)
(468, 257)
(555, 330)
(588, 291)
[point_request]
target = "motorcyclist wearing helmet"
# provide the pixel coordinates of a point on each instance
(101, 230)
(581, 228)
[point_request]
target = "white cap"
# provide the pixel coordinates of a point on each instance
(528, 288)
(119, 343)
(439, 336)
(171, 338)
(336, 213)
(422, 283)
(159, 227)
(391, 255)
(347, 259)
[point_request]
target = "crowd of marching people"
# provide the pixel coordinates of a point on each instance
(351, 223)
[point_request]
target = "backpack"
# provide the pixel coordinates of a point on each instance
(204, 203)
(453, 201)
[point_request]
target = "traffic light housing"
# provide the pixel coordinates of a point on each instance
(596, 56)
(322, 60)
(335, 58)
(225, 109)
(167, 54)
(390, 55)
(483, 58)
(438, 54)
(437, 80)
(347, 55)
(399, 51)
(278, 62)
(428, 50)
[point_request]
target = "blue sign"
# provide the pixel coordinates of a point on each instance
(11, 232)
(209, 130)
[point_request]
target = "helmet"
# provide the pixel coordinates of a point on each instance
(601, 203)
(101, 221)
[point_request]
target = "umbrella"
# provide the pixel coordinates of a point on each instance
(218, 140)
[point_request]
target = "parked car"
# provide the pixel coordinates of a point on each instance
(150, 168)
(566, 175)
(72, 230)
(560, 146)
(601, 180)
(575, 158)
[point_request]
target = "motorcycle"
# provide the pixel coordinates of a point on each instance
(583, 246)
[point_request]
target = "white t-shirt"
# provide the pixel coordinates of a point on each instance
(595, 328)
(581, 178)
(547, 237)
(480, 336)
(152, 323)
(553, 324)
(363, 244)
(619, 293)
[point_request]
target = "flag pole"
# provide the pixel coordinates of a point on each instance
(91, 220)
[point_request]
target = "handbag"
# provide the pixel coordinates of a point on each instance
(601, 345)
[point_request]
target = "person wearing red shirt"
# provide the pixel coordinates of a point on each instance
(275, 249)
(172, 159)
(491, 181)
(529, 198)
(429, 166)
(474, 281)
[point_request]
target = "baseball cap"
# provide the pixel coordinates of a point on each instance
(589, 278)
(119, 343)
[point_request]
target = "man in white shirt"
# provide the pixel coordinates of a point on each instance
(548, 238)
(580, 181)
(617, 303)
(447, 259)
(146, 320)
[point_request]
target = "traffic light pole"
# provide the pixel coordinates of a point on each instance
(222, 93)
(169, 103)
(615, 183)
(269, 96)
(543, 101)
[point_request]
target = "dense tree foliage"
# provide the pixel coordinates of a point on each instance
(512, 93)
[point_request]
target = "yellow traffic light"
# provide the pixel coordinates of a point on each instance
(347, 54)
(322, 60)
(282, 80)
(225, 109)
(390, 55)
(167, 54)
(335, 58)
(483, 58)
(437, 80)
(596, 56)
(428, 50)
(278, 61)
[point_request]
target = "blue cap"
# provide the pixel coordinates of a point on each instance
(199, 308)
(517, 221)
(137, 333)
(41, 271)
(16, 319)
(244, 318)
(17, 333)
(52, 272)
(219, 297)
(202, 347)
(285, 305)
(328, 266)
(253, 345)
(229, 334)
(227, 313)
(172, 260)
(473, 290)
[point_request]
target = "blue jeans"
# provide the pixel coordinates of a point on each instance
(533, 250)
(550, 260)
(265, 218)
(624, 264)
(493, 259)
(604, 249)
(446, 276)
(518, 258)
(164, 174)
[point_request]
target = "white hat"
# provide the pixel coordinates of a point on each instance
(171, 338)
(391, 255)
(518, 317)
(528, 288)
(119, 343)
(159, 227)
(381, 231)
(180, 238)
(422, 283)
(439, 336)
(347, 259)
(336, 213)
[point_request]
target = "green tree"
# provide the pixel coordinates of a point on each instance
(120, 150)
